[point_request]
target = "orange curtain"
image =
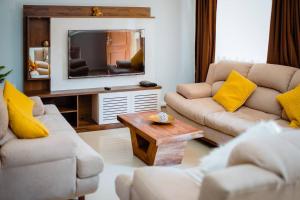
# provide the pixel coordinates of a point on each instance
(284, 40)
(205, 37)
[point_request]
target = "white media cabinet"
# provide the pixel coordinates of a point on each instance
(97, 108)
(106, 106)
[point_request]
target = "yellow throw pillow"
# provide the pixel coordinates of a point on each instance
(234, 92)
(18, 98)
(24, 125)
(290, 101)
(137, 59)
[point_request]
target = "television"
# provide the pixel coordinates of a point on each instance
(102, 53)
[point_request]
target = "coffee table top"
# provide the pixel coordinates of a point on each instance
(177, 131)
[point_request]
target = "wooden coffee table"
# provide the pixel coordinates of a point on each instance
(158, 144)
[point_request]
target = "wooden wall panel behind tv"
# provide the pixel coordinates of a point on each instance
(39, 31)
(36, 27)
(85, 11)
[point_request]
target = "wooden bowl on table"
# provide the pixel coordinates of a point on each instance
(161, 118)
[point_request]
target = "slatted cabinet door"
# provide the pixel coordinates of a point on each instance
(107, 106)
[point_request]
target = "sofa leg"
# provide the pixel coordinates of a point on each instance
(81, 198)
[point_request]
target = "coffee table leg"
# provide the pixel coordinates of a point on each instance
(170, 154)
(164, 154)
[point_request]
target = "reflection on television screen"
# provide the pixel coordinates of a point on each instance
(96, 53)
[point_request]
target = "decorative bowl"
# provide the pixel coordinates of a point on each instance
(161, 118)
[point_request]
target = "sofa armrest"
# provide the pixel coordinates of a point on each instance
(123, 185)
(238, 182)
(22, 152)
(194, 90)
(38, 107)
(51, 109)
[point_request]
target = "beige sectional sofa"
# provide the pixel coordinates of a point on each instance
(264, 168)
(193, 103)
(60, 166)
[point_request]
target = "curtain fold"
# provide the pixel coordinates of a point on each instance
(205, 37)
(284, 39)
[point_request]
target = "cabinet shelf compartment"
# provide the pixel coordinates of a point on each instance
(71, 117)
(65, 104)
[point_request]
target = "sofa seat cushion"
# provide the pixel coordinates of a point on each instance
(55, 123)
(283, 123)
(194, 109)
(89, 162)
(164, 184)
(22, 152)
(235, 123)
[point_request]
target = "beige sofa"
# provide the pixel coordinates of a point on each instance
(264, 168)
(193, 103)
(60, 166)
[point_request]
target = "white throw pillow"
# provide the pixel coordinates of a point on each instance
(218, 158)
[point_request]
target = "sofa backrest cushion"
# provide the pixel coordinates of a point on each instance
(271, 80)
(295, 80)
(9, 136)
(220, 71)
(264, 99)
(294, 83)
(271, 76)
(216, 86)
(38, 107)
(3, 116)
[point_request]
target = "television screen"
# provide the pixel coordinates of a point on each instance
(96, 53)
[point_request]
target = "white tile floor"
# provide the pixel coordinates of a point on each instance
(115, 147)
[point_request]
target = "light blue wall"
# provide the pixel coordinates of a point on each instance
(166, 12)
